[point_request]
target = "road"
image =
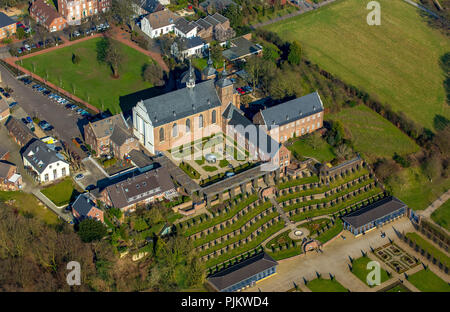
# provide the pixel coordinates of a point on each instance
(66, 122)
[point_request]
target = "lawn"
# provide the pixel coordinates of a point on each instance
(397, 61)
(374, 136)
(90, 80)
(61, 193)
(325, 285)
(415, 189)
(429, 247)
(427, 281)
(323, 152)
(442, 215)
(360, 270)
(29, 205)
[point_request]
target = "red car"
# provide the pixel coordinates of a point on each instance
(240, 90)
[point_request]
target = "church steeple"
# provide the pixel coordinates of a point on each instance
(190, 83)
(209, 72)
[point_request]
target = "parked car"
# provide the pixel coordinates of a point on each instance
(29, 119)
(36, 86)
(77, 142)
(11, 105)
(46, 92)
(84, 148)
(6, 95)
(79, 176)
(44, 125)
(68, 106)
(247, 89)
(240, 90)
(24, 121)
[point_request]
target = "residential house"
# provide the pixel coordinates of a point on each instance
(46, 15)
(4, 109)
(212, 27)
(144, 7)
(189, 47)
(142, 188)
(185, 29)
(4, 153)
(159, 23)
(213, 6)
(19, 131)
(45, 162)
(293, 118)
(243, 274)
(7, 26)
(10, 179)
(110, 136)
(84, 207)
(76, 10)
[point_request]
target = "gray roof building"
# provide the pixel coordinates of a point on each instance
(241, 271)
(3, 152)
(182, 103)
(374, 211)
(241, 48)
(83, 205)
(184, 26)
(21, 133)
(40, 156)
(151, 6)
(5, 20)
(292, 110)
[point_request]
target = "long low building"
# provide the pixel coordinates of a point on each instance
(374, 215)
(244, 274)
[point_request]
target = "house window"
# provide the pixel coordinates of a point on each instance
(63, 172)
(188, 125)
(174, 130)
(200, 121)
(161, 134)
(46, 177)
(213, 117)
(318, 125)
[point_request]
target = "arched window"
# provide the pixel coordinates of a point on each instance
(188, 125)
(213, 117)
(174, 130)
(200, 121)
(161, 134)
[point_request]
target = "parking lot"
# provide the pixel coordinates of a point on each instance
(66, 123)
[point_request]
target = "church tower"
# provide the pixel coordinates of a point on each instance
(225, 90)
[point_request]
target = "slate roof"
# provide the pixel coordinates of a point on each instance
(241, 271)
(162, 18)
(140, 187)
(140, 159)
(3, 152)
(204, 24)
(4, 169)
(151, 6)
(18, 129)
(184, 26)
(220, 17)
(241, 47)
(374, 211)
(182, 103)
(41, 157)
(211, 20)
(45, 12)
(120, 135)
(293, 110)
(5, 20)
(3, 106)
(194, 42)
(105, 127)
(83, 204)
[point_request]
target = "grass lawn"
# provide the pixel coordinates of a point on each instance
(325, 285)
(398, 288)
(415, 189)
(360, 270)
(92, 81)
(27, 204)
(323, 152)
(209, 168)
(397, 61)
(427, 281)
(442, 215)
(429, 247)
(61, 193)
(373, 135)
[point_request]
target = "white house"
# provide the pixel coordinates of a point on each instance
(186, 29)
(188, 47)
(48, 164)
(159, 23)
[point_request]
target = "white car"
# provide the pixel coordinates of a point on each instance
(79, 177)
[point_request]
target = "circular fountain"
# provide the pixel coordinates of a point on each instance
(211, 158)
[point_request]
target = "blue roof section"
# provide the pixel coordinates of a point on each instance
(5, 20)
(182, 103)
(83, 204)
(293, 110)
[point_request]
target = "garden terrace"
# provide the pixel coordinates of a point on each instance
(315, 189)
(242, 236)
(348, 205)
(230, 227)
(243, 248)
(426, 280)
(326, 201)
(329, 230)
(282, 246)
(298, 181)
(204, 222)
(325, 285)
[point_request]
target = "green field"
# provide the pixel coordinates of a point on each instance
(430, 248)
(367, 127)
(323, 152)
(325, 285)
(61, 193)
(360, 270)
(442, 215)
(396, 62)
(427, 281)
(92, 81)
(29, 205)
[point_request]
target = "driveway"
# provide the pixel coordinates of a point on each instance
(67, 123)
